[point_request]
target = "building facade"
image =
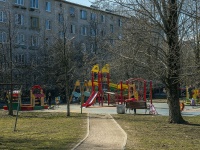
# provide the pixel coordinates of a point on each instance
(29, 28)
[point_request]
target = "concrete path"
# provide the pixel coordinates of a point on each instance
(162, 109)
(104, 134)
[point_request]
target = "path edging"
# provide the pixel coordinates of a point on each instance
(88, 127)
(125, 139)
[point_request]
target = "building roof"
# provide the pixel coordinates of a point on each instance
(92, 7)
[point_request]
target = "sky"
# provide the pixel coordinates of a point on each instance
(82, 2)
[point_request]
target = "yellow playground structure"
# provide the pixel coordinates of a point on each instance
(192, 96)
(100, 87)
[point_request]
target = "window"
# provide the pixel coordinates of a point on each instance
(72, 29)
(103, 33)
(19, 19)
(19, 2)
(119, 36)
(60, 18)
(33, 60)
(48, 25)
(19, 58)
(111, 41)
(34, 22)
(120, 22)
(92, 48)
(34, 3)
(93, 16)
(93, 32)
(61, 35)
(48, 6)
(3, 37)
(83, 31)
(47, 42)
(111, 28)
(35, 78)
(72, 11)
(20, 39)
(83, 47)
(103, 18)
(16, 76)
(34, 41)
(83, 14)
(2, 16)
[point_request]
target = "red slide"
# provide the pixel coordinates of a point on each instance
(90, 100)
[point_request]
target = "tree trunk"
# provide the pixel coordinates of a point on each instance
(10, 108)
(174, 106)
(173, 65)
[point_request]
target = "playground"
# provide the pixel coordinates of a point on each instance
(35, 101)
(101, 93)
(101, 90)
(161, 108)
(104, 127)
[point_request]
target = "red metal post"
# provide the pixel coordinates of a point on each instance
(145, 90)
(101, 87)
(121, 90)
(150, 92)
(108, 82)
(93, 88)
(127, 82)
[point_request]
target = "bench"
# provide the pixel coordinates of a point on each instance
(130, 105)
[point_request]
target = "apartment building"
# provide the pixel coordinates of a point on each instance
(28, 28)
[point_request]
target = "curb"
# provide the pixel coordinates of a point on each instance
(88, 127)
(125, 139)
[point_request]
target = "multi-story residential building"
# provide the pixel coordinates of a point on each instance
(29, 28)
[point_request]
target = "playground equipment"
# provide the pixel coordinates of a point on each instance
(15, 97)
(96, 85)
(138, 88)
(80, 88)
(192, 96)
(102, 88)
(37, 96)
(57, 101)
(36, 99)
(182, 106)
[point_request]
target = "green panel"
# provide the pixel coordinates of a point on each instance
(86, 93)
(15, 105)
(38, 107)
(125, 92)
(112, 89)
(76, 94)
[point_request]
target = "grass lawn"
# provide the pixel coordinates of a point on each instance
(56, 131)
(42, 130)
(146, 132)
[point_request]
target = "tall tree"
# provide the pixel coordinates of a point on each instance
(157, 29)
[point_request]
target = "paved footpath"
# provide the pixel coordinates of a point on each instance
(104, 133)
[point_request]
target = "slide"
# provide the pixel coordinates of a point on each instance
(90, 100)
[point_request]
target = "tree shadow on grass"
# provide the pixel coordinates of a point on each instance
(191, 124)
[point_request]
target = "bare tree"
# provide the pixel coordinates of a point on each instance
(157, 30)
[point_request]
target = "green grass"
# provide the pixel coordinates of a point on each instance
(155, 133)
(56, 131)
(41, 130)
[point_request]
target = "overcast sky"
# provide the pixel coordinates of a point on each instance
(82, 2)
